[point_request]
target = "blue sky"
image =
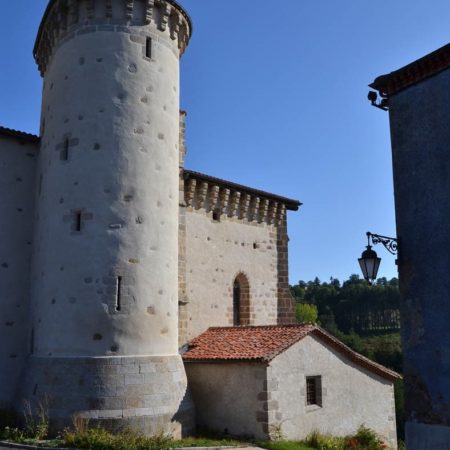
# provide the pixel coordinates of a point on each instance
(276, 97)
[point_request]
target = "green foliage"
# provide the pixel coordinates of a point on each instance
(100, 439)
(12, 434)
(364, 439)
(283, 445)
(324, 442)
(36, 423)
(306, 313)
(204, 442)
(354, 304)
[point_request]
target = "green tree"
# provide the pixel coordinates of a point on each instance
(306, 313)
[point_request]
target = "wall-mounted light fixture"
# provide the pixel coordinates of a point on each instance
(382, 104)
(369, 261)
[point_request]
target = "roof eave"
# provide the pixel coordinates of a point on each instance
(291, 204)
(20, 135)
(413, 73)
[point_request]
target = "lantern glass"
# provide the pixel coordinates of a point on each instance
(369, 263)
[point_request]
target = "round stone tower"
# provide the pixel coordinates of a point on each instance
(104, 337)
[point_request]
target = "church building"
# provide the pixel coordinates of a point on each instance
(139, 294)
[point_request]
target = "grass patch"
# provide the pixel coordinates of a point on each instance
(81, 436)
(99, 439)
(205, 442)
(283, 445)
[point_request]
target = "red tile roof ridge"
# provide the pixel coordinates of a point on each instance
(262, 343)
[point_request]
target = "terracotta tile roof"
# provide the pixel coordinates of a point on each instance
(413, 73)
(18, 134)
(291, 204)
(264, 343)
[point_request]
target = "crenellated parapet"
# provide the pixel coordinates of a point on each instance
(64, 19)
(224, 199)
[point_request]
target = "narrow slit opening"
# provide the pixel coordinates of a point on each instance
(148, 48)
(78, 221)
(32, 342)
(65, 151)
(118, 294)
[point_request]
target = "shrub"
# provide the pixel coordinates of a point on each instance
(364, 439)
(324, 442)
(368, 439)
(306, 313)
(36, 423)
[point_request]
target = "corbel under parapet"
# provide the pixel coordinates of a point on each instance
(177, 21)
(245, 206)
(224, 199)
(90, 8)
(264, 210)
(149, 10)
(129, 9)
(73, 12)
(234, 204)
(273, 210)
(281, 214)
(201, 195)
(166, 10)
(213, 197)
(108, 9)
(190, 192)
(254, 209)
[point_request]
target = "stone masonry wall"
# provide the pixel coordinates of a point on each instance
(147, 394)
(17, 179)
(286, 303)
(217, 252)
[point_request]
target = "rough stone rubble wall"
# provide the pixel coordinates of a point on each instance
(17, 189)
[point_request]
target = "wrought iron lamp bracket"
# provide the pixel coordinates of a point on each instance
(389, 243)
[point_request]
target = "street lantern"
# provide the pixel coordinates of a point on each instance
(370, 264)
(369, 261)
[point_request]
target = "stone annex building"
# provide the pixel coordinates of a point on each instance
(116, 263)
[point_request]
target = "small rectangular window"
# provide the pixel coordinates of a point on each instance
(148, 48)
(314, 391)
(216, 215)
